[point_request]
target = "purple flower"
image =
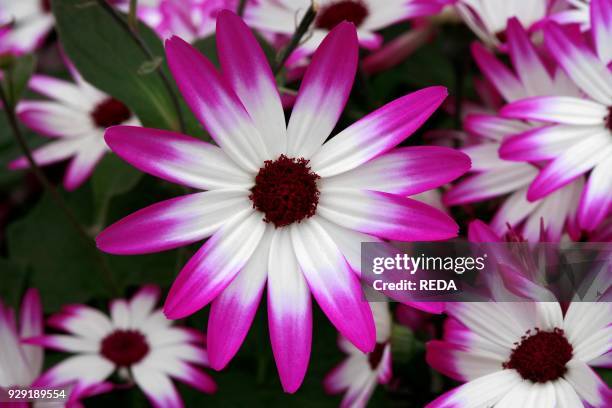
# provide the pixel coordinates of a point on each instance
(524, 355)
(359, 373)
(137, 341)
(24, 24)
(75, 117)
(283, 208)
(577, 136)
(278, 18)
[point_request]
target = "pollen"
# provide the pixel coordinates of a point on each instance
(285, 191)
(541, 356)
(124, 347)
(353, 11)
(110, 112)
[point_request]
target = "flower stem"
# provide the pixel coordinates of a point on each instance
(132, 18)
(145, 48)
(301, 29)
(9, 110)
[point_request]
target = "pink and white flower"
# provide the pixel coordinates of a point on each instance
(75, 116)
(488, 19)
(282, 206)
(527, 355)
(20, 364)
(358, 375)
(188, 19)
(137, 341)
(24, 24)
(280, 18)
(577, 137)
(493, 176)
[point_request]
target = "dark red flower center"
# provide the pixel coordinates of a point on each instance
(285, 191)
(330, 16)
(124, 347)
(608, 119)
(541, 356)
(110, 112)
(46, 5)
(376, 355)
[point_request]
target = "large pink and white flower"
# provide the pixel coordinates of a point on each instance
(493, 176)
(75, 116)
(20, 364)
(24, 24)
(577, 137)
(528, 355)
(280, 18)
(282, 206)
(358, 375)
(137, 341)
(488, 19)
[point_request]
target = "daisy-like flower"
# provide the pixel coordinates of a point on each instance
(24, 24)
(358, 375)
(20, 364)
(526, 355)
(577, 138)
(137, 341)
(188, 19)
(280, 17)
(76, 116)
(488, 19)
(493, 176)
(282, 206)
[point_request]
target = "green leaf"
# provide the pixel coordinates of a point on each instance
(108, 57)
(112, 177)
(61, 262)
(17, 76)
(13, 277)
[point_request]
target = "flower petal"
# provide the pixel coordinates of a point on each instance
(232, 312)
(588, 384)
(62, 91)
(216, 105)
(385, 215)
(493, 127)
(245, 66)
(559, 109)
(54, 119)
(31, 324)
(82, 165)
(82, 321)
(173, 223)
(504, 80)
(581, 158)
(596, 199)
(177, 158)
(601, 28)
(333, 284)
(158, 388)
(51, 152)
(378, 132)
(580, 64)
(405, 171)
(84, 368)
(215, 265)
(324, 91)
(289, 312)
(544, 143)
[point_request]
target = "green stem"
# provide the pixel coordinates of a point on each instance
(241, 7)
(132, 17)
(301, 29)
(9, 110)
(145, 48)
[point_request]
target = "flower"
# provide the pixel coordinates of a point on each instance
(359, 373)
(137, 340)
(577, 136)
(282, 207)
(488, 18)
(189, 19)
(20, 364)
(274, 17)
(76, 117)
(24, 25)
(524, 354)
(494, 176)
